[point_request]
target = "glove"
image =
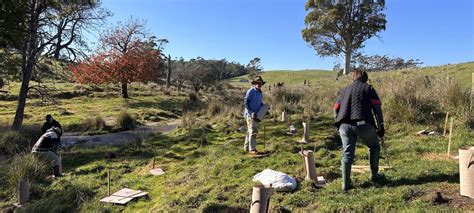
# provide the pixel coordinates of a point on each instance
(381, 131)
(254, 117)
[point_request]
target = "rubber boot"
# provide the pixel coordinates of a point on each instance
(374, 157)
(346, 176)
(56, 172)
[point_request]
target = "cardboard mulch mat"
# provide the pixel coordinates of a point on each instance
(124, 196)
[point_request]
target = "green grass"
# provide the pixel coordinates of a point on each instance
(289, 77)
(461, 72)
(145, 103)
(217, 177)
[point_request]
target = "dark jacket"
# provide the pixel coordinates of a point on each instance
(356, 103)
(47, 126)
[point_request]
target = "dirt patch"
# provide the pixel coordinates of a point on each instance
(413, 195)
(449, 196)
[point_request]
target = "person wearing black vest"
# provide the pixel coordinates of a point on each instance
(50, 123)
(354, 112)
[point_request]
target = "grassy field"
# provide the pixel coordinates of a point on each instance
(289, 77)
(73, 103)
(207, 170)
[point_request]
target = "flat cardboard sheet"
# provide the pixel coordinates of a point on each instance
(157, 171)
(124, 196)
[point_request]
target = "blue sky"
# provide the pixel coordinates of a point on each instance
(435, 31)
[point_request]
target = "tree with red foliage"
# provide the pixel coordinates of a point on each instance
(125, 55)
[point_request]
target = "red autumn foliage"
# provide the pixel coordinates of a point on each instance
(123, 57)
(138, 64)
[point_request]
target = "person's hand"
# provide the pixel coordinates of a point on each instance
(254, 117)
(381, 131)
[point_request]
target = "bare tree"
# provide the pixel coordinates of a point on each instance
(179, 72)
(72, 22)
(36, 43)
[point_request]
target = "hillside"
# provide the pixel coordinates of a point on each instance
(207, 170)
(289, 77)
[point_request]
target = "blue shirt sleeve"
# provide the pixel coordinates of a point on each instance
(248, 98)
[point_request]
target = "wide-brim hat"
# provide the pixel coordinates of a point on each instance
(258, 80)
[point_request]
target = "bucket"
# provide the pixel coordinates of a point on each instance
(466, 171)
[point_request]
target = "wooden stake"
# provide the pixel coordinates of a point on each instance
(450, 136)
(153, 165)
(472, 92)
(108, 182)
(446, 124)
(264, 136)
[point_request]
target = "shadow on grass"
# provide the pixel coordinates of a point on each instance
(224, 209)
(434, 178)
(177, 148)
(83, 155)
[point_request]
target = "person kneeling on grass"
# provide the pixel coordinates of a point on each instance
(252, 103)
(354, 113)
(47, 146)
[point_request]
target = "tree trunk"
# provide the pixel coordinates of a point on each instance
(20, 109)
(168, 73)
(347, 62)
(196, 87)
(124, 89)
(28, 62)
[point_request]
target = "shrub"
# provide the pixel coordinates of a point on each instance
(416, 99)
(64, 196)
(193, 97)
(214, 107)
(317, 100)
(193, 103)
(167, 92)
(96, 123)
(125, 121)
(285, 99)
(25, 167)
(13, 142)
(188, 121)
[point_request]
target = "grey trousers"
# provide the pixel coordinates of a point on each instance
(251, 137)
(49, 155)
(349, 134)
